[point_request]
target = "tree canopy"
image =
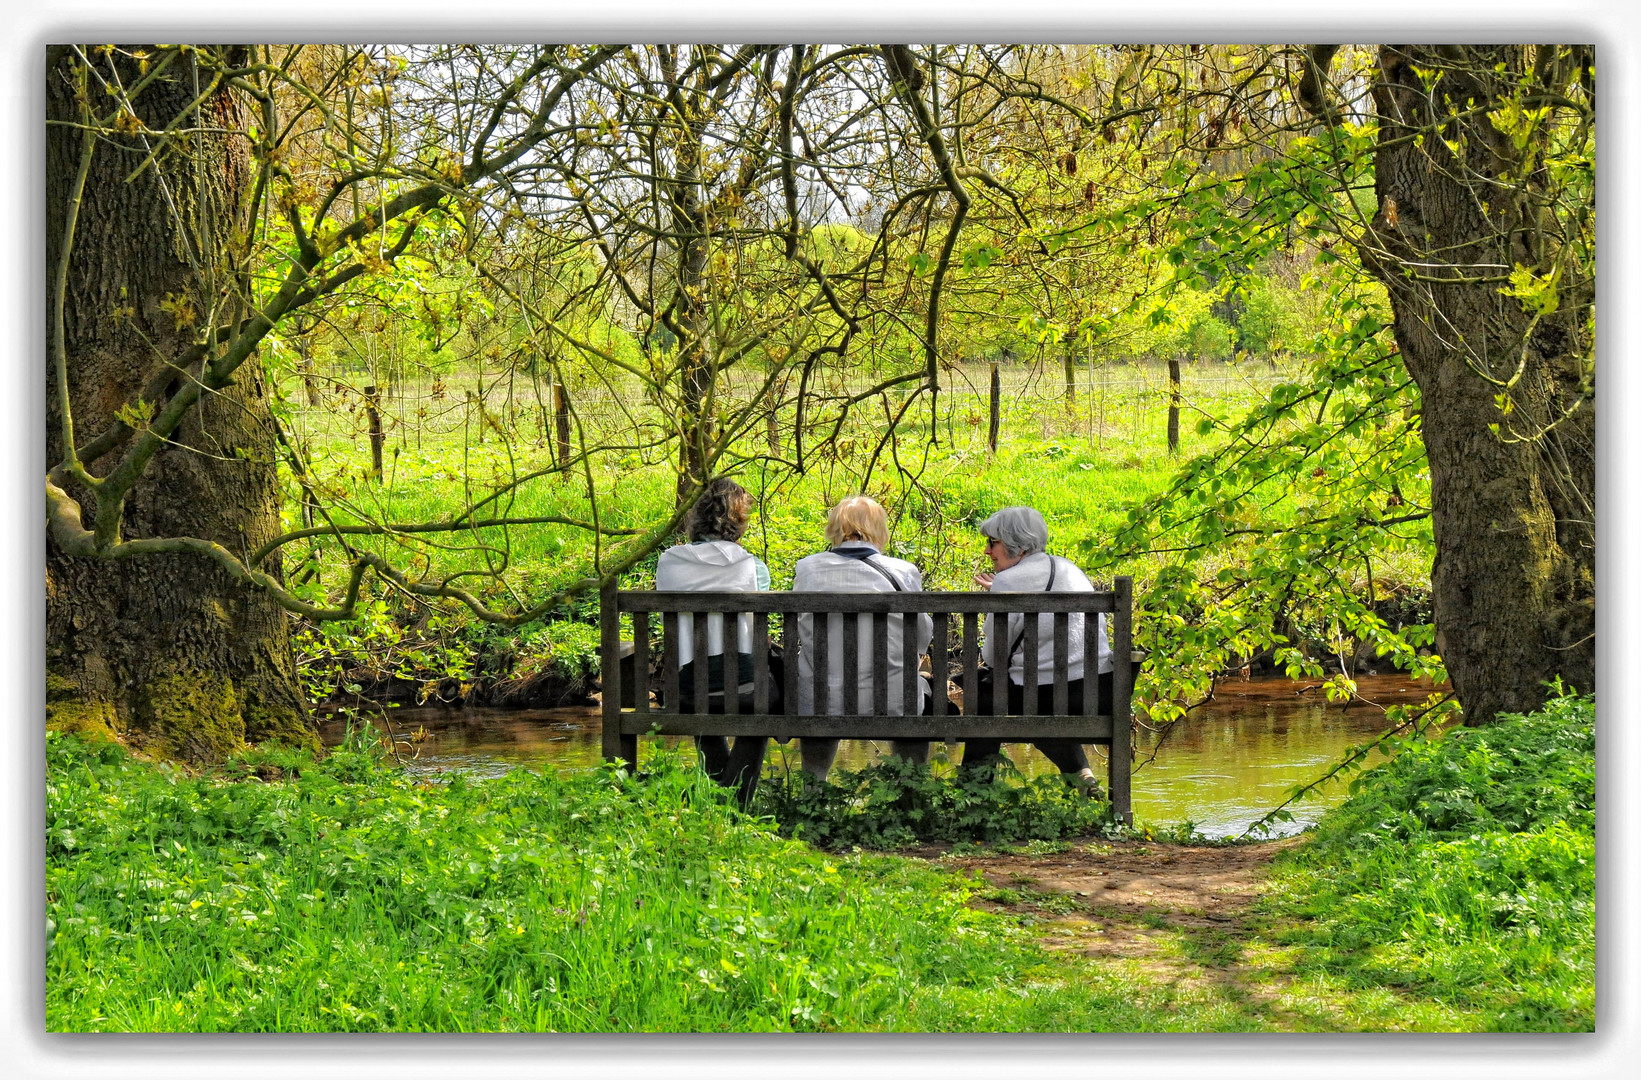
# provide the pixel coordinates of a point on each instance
(746, 250)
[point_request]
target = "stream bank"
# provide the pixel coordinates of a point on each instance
(1221, 769)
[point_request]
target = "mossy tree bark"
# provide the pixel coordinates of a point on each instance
(1507, 392)
(166, 645)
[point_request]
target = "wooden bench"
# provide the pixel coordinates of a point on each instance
(628, 712)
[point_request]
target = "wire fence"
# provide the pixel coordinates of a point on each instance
(1115, 402)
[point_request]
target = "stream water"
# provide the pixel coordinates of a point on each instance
(1222, 768)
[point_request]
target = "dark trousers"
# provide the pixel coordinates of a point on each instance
(1067, 754)
(818, 754)
(738, 766)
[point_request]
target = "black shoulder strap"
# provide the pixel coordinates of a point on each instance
(1020, 635)
(865, 556)
(880, 568)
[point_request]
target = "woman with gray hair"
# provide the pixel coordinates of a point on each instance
(1016, 543)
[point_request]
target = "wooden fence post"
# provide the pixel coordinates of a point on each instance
(475, 413)
(561, 421)
(373, 417)
(305, 366)
(996, 415)
(1173, 405)
(1068, 361)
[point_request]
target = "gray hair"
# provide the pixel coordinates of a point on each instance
(1020, 529)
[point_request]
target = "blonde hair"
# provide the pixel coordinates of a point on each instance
(858, 518)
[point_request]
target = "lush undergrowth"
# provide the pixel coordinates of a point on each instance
(1462, 871)
(894, 803)
(342, 896)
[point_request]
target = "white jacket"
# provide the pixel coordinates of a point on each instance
(1030, 575)
(710, 566)
(826, 571)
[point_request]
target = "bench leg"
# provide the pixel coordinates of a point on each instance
(1117, 785)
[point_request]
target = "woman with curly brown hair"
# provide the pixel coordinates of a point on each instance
(714, 561)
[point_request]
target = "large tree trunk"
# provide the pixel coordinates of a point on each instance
(1513, 506)
(166, 648)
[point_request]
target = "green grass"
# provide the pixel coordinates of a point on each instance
(1081, 466)
(342, 897)
(1453, 892)
(1463, 873)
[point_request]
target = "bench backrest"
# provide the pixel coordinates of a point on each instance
(978, 718)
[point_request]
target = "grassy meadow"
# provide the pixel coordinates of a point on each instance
(1461, 874)
(276, 892)
(341, 896)
(1083, 463)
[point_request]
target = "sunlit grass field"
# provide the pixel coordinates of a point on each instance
(1083, 464)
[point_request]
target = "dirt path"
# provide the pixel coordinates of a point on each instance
(1178, 911)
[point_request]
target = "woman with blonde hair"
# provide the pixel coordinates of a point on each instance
(857, 531)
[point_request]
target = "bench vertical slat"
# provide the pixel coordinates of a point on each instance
(822, 661)
(911, 661)
(1030, 664)
(939, 665)
(700, 662)
(880, 664)
(760, 662)
(999, 703)
(609, 645)
(851, 664)
(971, 664)
(641, 662)
(1122, 667)
(789, 662)
(732, 663)
(1062, 659)
(1091, 664)
(670, 628)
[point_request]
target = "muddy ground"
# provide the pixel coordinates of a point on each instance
(1125, 900)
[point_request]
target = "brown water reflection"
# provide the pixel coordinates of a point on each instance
(1222, 768)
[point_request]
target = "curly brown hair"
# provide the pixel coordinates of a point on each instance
(720, 513)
